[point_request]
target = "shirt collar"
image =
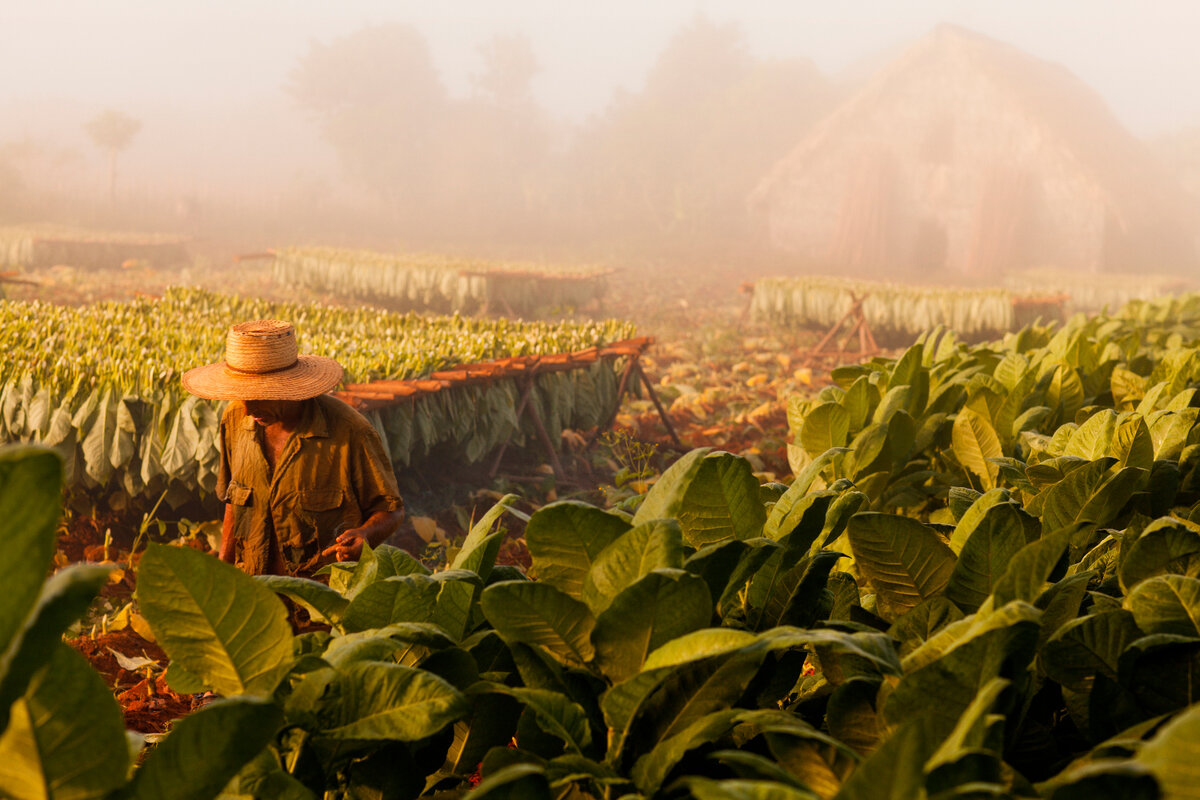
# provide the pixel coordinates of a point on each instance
(313, 423)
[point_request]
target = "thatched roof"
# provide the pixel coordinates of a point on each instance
(967, 154)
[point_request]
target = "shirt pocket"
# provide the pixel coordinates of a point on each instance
(321, 511)
(240, 495)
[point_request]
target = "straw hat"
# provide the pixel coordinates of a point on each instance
(262, 363)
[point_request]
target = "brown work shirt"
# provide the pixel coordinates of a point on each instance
(331, 475)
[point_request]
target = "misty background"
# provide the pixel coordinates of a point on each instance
(525, 128)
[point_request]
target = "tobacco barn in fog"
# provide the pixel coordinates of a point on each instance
(968, 156)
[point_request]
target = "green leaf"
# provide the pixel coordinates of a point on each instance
(985, 556)
(557, 714)
(713, 495)
(399, 598)
(30, 492)
(65, 737)
(1089, 646)
(564, 540)
(975, 443)
(1173, 756)
(516, 782)
(1167, 604)
(743, 789)
(1030, 568)
(479, 549)
(218, 623)
(206, 749)
(539, 614)
(323, 604)
(1090, 493)
(1166, 545)
(651, 769)
(374, 701)
(902, 559)
(697, 645)
(64, 599)
(826, 426)
(896, 770)
(654, 544)
(1094, 438)
(658, 608)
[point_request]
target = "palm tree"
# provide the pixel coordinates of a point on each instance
(112, 131)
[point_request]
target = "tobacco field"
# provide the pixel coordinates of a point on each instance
(961, 569)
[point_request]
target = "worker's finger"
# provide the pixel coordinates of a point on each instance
(330, 549)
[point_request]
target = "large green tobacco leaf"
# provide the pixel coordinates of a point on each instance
(745, 789)
(713, 495)
(658, 608)
(516, 782)
(1090, 493)
(985, 556)
(1167, 545)
(384, 701)
(685, 694)
(975, 443)
(1167, 604)
(1173, 756)
(479, 549)
(826, 426)
(216, 622)
(655, 544)
(399, 598)
(1030, 567)
(896, 771)
(903, 560)
(30, 486)
(323, 604)
(944, 676)
(262, 777)
(539, 614)
(652, 769)
(556, 713)
(564, 540)
(1089, 646)
(206, 749)
(64, 599)
(65, 738)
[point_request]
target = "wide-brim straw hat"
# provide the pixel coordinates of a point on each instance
(262, 362)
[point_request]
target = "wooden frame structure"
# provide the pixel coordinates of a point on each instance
(524, 370)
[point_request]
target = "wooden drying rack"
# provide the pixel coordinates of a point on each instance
(858, 324)
(524, 369)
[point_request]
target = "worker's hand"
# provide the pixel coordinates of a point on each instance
(348, 545)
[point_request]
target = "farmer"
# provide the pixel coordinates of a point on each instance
(304, 477)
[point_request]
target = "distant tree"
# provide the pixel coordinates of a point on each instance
(382, 106)
(676, 160)
(113, 132)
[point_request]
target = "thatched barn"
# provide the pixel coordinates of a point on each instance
(968, 156)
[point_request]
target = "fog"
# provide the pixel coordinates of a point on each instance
(524, 127)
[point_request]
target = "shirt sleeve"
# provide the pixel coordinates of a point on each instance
(224, 472)
(375, 482)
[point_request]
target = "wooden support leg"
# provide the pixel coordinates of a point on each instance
(831, 334)
(551, 451)
(662, 413)
(521, 403)
(622, 387)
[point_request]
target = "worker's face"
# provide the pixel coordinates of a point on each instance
(268, 412)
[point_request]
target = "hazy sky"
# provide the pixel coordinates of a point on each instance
(1143, 57)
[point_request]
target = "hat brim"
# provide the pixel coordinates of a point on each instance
(310, 376)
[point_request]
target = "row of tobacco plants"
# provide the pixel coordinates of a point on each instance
(984, 581)
(101, 383)
(447, 284)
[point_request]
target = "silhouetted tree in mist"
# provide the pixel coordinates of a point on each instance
(675, 161)
(113, 132)
(382, 106)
